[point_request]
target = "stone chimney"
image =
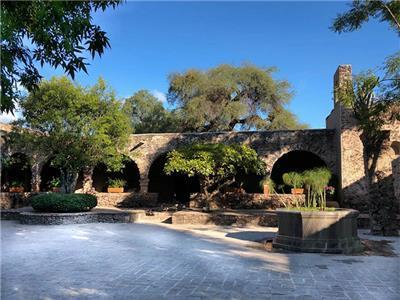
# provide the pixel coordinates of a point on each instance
(342, 75)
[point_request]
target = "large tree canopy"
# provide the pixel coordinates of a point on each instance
(228, 97)
(148, 114)
(58, 33)
(216, 165)
(362, 10)
(80, 127)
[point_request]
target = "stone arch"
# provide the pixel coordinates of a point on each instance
(271, 158)
(174, 188)
(130, 173)
(16, 168)
(294, 161)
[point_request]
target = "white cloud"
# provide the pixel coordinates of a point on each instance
(159, 95)
(9, 117)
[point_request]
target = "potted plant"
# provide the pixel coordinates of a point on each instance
(116, 185)
(268, 186)
(312, 227)
(55, 184)
(294, 180)
(16, 187)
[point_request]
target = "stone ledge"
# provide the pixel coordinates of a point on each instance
(35, 218)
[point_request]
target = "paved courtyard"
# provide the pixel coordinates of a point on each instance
(141, 261)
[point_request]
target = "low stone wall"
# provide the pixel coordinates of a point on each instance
(34, 218)
(15, 200)
(127, 200)
(226, 218)
(248, 201)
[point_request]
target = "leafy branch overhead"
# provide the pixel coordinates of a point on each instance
(362, 10)
(58, 33)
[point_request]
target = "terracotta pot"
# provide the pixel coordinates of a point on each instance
(56, 189)
(16, 189)
(297, 191)
(115, 190)
(266, 189)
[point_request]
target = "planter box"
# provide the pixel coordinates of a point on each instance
(297, 191)
(115, 190)
(318, 231)
(16, 189)
(56, 190)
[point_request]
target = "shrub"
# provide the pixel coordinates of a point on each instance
(63, 202)
(116, 183)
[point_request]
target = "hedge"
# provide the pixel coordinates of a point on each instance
(55, 202)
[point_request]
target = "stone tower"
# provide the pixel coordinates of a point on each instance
(349, 149)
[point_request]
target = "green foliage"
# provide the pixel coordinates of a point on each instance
(316, 181)
(55, 182)
(293, 179)
(63, 203)
(362, 10)
(116, 183)
(228, 97)
(216, 165)
(148, 114)
(16, 183)
(57, 33)
(81, 127)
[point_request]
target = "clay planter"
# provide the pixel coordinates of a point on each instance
(115, 190)
(266, 189)
(56, 189)
(318, 231)
(297, 191)
(16, 189)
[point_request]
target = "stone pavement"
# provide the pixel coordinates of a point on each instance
(142, 261)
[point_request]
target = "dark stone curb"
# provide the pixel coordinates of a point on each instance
(34, 218)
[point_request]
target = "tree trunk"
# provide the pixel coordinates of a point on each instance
(87, 179)
(68, 181)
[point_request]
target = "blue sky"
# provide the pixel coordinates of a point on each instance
(151, 40)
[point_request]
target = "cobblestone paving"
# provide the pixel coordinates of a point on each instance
(138, 261)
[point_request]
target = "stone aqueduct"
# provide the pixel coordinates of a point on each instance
(338, 146)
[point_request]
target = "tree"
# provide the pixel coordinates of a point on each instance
(227, 97)
(148, 114)
(57, 33)
(80, 127)
(216, 165)
(375, 101)
(362, 10)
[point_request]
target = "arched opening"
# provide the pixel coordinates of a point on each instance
(294, 161)
(16, 171)
(250, 182)
(129, 173)
(47, 175)
(175, 188)
(396, 147)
